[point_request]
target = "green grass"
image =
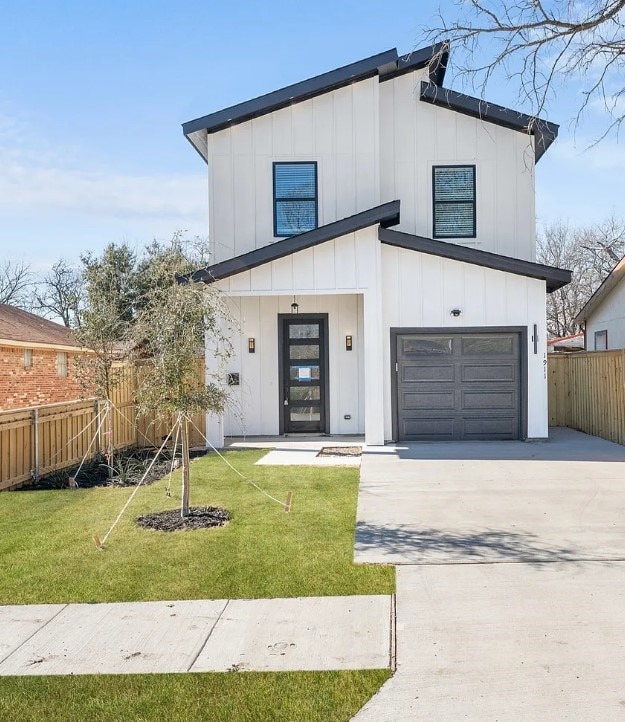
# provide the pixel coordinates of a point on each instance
(242, 697)
(47, 553)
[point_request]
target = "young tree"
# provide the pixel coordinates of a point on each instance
(174, 321)
(538, 44)
(60, 294)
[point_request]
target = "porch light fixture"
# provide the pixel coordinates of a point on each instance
(348, 343)
(294, 306)
(251, 345)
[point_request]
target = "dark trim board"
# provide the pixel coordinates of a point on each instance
(385, 215)
(554, 277)
(387, 64)
(396, 331)
(323, 317)
(544, 132)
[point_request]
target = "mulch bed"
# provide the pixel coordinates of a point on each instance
(131, 463)
(200, 517)
(341, 451)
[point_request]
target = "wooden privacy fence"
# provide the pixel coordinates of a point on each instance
(587, 392)
(39, 440)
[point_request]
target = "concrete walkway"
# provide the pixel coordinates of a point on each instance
(299, 450)
(511, 584)
(306, 633)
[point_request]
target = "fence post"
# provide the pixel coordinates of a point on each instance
(35, 472)
(96, 409)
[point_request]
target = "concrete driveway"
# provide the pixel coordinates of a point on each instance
(511, 584)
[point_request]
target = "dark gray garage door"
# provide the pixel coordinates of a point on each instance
(458, 386)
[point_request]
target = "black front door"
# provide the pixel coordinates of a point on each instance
(304, 365)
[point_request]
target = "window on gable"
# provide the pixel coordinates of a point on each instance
(454, 201)
(294, 198)
(601, 340)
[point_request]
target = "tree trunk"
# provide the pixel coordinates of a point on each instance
(184, 510)
(109, 433)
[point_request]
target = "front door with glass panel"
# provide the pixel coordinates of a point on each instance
(304, 373)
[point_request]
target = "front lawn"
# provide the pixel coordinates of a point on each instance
(47, 553)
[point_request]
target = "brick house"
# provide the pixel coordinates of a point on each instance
(37, 360)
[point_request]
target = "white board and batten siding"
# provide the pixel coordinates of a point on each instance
(608, 316)
(255, 407)
(411, 290)
(414, 136)
(485, 297)
(339, 130)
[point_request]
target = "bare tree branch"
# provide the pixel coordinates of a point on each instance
(15, 283)
(60, 294)
(539, 44)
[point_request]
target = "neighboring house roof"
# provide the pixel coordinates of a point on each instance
(386, 215)
(17, 325)
(543, 131)
(554, 277)
(575, 342)
(597, 298)
(386, 65)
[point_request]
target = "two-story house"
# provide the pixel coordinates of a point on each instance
(374, 233)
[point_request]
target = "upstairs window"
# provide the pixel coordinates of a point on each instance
(454, 201)
(294, 198)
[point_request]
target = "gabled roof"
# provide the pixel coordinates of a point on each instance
(597, 298)
(17, 325)
(385, 215)
(554, 277)
(387, 65)
(543, 131)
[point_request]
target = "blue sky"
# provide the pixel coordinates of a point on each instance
(92, 96)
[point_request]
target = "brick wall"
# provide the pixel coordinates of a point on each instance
(38, 384)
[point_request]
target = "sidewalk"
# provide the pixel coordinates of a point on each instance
(305, 633)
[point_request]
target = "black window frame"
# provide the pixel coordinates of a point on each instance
(277, 163)
(603, 332)
(473, 201)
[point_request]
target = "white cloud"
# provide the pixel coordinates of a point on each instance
(36, 178)
(607, 154)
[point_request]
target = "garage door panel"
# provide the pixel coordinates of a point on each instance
(488, 400)
(431, 401)
(429, 429)
(495, 428)
(458, 385)
(488, 372)
(420, 373)
(482, 345)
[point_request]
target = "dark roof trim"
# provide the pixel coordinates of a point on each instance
(554, 277)
(386, 64)
(543, 131)
(385, 215)
(435, 57)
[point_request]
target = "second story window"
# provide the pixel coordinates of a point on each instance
(294, 198)
(453, 189)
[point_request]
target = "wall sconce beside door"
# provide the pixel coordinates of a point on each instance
(348, 343)
(251, 345)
